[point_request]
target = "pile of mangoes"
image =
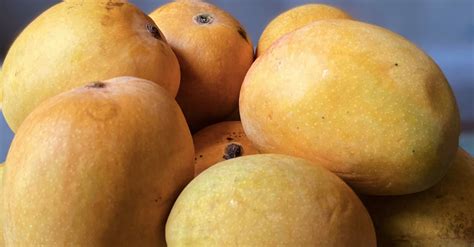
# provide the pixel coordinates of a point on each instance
(169, 130)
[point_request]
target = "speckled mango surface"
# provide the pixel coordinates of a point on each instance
(361, 100)
(2, 241)
(79, 41)
(268, 200)
(100, 165)
(294, 19)
(214, 52)
(440, 216)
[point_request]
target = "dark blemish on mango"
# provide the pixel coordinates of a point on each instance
(242, 33)
(155, 32)
(112, 4)
(203, 19)
(396, 64)
(229, 138)
(96, 84)
(232, 150)
(200, 156)
(413, 151)
(323, 117)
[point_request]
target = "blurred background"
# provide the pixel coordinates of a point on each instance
(442, 28)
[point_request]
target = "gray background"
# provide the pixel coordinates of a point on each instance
(443, 28)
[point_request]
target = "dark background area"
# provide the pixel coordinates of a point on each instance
(443, 28)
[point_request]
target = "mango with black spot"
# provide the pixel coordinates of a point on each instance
(219, 142)
(78, 41)
(99, 165)
(214, 53)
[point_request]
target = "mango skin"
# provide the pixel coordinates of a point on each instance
(294, 19)
(79, 41)
(212, 144)
(268, 200)
(100, 165)
(440, 216)
(213, 57)
(362, 100)
(2, 240)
